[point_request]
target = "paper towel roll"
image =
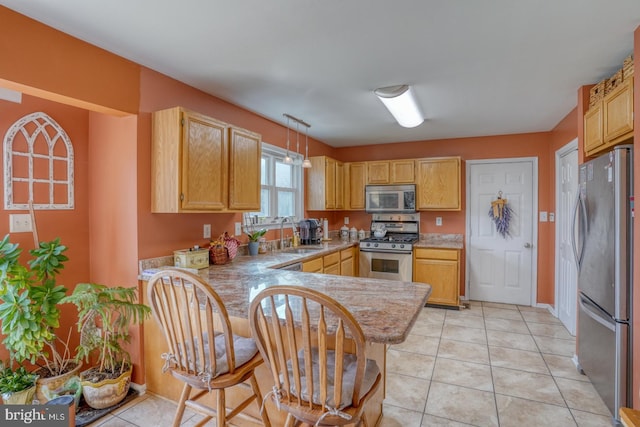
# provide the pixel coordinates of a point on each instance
(325, 229)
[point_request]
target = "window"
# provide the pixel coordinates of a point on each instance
(282, 192)
(38, 160)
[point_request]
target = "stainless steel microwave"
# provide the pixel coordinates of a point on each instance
(390, 198)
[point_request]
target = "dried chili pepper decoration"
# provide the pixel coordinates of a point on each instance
(501, 214)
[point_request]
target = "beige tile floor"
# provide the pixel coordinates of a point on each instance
(490, 365)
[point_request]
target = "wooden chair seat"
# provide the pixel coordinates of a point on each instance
(189, 312)
(315, 351)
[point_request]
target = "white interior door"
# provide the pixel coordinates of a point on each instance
(502, 269)
(566, 277)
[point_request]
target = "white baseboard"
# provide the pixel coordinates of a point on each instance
(140, 388)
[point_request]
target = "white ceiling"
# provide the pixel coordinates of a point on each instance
(478, 67)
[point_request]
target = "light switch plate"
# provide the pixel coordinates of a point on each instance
(206, 231)
(438, 221)
(552, 217)
(346, 220)
(543, 216)
(20, 223)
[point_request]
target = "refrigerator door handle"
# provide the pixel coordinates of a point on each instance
(579, 208)
(592, 311)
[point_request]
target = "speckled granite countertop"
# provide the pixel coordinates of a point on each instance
(444, 241)
(385, 309)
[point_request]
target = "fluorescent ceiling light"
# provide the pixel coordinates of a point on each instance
(401, 104)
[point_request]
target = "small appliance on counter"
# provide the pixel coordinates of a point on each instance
(310, 232)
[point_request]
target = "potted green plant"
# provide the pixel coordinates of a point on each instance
(29, 313)
(17, 386)
(104, 316)
(254, 237)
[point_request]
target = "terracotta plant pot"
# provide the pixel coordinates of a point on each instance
(52, 387)
(23, 397)
(106, 393)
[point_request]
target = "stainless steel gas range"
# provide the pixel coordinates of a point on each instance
(390, 255)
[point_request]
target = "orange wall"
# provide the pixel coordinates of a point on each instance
(112, 209)
(72, 226)
(43, 61)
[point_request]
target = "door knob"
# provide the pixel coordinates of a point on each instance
(527, 245)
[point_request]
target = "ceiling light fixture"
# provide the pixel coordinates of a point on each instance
(306, 163)
(288, 160)
(402, 105)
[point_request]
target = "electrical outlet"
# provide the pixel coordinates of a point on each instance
(346, 220)
(552, 217)
(238, 230)
(206, 231)
(20, 223)
(438, 221)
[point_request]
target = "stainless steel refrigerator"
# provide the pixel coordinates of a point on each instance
(603, 249)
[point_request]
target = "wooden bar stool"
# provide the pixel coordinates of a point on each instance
(202, 350)
(315, 350)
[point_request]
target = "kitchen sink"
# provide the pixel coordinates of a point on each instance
(301, 250)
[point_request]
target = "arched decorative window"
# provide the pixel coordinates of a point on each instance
(38, 164)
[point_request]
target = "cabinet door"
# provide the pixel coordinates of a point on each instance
(402, 171)
(593, 131)
(313, 266)
(439, 184)
(618, 112)
(204, 163)
(440, 269)
(346, 262)
(330, 183)
(339, 185)
(378, 172)
(244, 170)
(357, 172)
(332, 269)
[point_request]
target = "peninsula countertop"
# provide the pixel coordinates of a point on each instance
(386, 310)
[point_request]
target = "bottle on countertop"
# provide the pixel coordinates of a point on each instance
(344, 233)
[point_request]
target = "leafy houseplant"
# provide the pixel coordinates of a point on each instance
(254, 236)
(29, 298)
(16, 386)
(104, 317)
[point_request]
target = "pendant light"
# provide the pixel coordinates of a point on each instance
(306, 163)
(288, 160)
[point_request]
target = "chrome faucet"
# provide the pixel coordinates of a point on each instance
(284, 219)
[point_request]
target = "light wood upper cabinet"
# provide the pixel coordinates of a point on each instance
(439, 184)
(610, 121)
(199, 164)
(402, 171)
(440, 268)
(378, 172)
(618, 113)
(244, 180)
(189, 162)
(593, 131)
(325, 184)
(355, 181)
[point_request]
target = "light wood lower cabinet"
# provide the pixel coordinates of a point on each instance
(313, 266)
(439, 268)
(347, 262)
(331, 263)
